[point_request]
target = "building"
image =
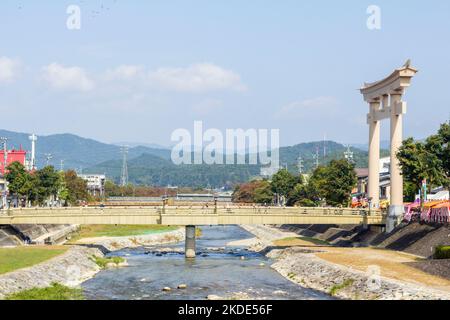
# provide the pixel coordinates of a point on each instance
(384, 176)
(95, 183)
(12, 156)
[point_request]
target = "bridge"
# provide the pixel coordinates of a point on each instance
(190, 216)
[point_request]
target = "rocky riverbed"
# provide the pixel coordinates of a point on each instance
(118, 243)
(304, 267)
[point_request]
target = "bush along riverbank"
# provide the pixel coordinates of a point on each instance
(303, 266)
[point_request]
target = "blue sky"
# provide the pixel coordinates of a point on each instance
(138, 70)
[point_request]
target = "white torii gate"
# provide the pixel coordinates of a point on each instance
(385, 101)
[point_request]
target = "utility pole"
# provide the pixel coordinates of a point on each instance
(300, 165)
(349, 154)
(124, 174)
(4, 141)
(48, 157)
(33, 139)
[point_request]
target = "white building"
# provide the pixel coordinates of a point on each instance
(95, 183)
(385, 164)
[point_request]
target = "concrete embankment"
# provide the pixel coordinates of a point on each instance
(333, 270)
(71, 268)
(77, 264)
(117, 243)
(13, 235)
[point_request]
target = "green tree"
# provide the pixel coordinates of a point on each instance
(315, 188)
(47, 185)
(332, 184)
(297, 194)
(340, 181)
(256, 191)
(444, 134)
(422, 160)
(19, 180)
(263, 193)
(283, 182)
(73, 189)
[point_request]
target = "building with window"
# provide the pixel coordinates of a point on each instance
(95, 184)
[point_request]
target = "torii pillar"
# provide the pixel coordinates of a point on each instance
(385, 101)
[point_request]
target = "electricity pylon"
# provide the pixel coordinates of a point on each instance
(124, 174)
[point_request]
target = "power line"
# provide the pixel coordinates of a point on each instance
(124, 174)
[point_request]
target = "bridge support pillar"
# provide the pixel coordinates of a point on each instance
(190, 242)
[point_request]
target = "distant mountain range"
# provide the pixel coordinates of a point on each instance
(77, 152)
(151, 164)
(384, 144)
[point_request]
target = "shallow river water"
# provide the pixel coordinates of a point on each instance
(224, 273)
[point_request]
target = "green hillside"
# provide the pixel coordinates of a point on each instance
(77, 152)
(153, 170)
(152, 166)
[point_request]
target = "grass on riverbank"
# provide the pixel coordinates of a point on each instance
(300, 241)
(22, 257)
(336, 288)
(54, 292)
(94, 231)
(103, 262)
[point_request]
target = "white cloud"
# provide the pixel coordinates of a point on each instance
(9, 68)
(125, 72)
(72, 78)
(320, 106)
(200, 77)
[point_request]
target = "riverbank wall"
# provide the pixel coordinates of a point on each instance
(71, 269)
(301, 265)
(77, 265)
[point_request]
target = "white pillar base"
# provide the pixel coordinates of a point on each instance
(190, 242)
(394, 217)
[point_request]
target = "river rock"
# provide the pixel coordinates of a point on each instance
(182, 286)
(167, 289)
(214, 297)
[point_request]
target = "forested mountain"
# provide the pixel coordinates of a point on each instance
(153, 166)
(77, 152)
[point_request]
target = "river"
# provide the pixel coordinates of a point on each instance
(217, 270)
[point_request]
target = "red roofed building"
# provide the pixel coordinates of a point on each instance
(13, 156)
